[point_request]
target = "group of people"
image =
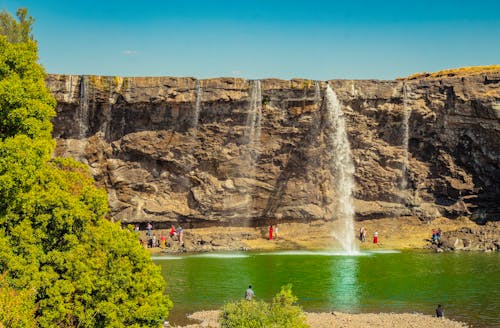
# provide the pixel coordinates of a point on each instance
(362, 235)
(153, 241)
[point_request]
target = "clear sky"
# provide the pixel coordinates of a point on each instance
(263, 38)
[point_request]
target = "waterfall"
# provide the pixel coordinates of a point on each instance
(317, 92)
(83, 110)
(197, 105)
(343, 171)
(253, 118)
(253, 131)
(71, 82)
(406, 118)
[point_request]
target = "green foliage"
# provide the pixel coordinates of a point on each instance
(16, 31)
(281, 313)
(26, 106)
(16, 307)
(55, 242)
(245, 314)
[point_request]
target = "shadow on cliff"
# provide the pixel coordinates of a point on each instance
(297, 165)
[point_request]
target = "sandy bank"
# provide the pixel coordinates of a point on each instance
(338, 319)
(394, 233)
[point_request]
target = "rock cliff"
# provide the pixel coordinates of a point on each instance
(238, 152)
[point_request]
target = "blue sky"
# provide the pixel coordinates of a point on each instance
(263, 38)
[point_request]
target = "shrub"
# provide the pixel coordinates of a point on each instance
(16, 307)
(281, 313)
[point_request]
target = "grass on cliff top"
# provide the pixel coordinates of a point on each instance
(453, 72)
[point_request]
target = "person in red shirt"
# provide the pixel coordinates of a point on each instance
(163, 240)
(270, 232)
(172, 231)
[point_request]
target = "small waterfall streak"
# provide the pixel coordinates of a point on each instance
(253, 131)
(406, 118)
(317, 92)
(83, 112)
(343, 173)
(254, 116)
(197, 105)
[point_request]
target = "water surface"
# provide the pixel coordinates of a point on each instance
(466, 284)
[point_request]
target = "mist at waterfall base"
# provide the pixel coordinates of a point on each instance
(342, 168)
(466, 284)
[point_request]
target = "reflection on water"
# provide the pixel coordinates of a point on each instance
(345, 287)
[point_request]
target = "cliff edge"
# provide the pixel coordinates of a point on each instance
(185, 150)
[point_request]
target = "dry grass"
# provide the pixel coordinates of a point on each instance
(462, 71)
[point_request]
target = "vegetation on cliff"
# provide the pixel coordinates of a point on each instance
(461, 71)
(63, 263)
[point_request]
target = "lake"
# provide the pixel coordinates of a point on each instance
(466, 284)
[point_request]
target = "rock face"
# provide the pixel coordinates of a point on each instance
(220, 151)
(481, 238)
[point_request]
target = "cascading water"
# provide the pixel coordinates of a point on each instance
(197, 105)
(406, 118)
(83, 112)
(317, 92)
(253, 132)
(253, 118)
(343, 171)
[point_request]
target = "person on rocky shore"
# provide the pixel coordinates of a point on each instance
(249, 294)
(270, 232)
(172, 231)
(275, 232)
(375, 237)
(362, 234)
(163, 240)
(180, 233)
(439, 311)
(149, 227)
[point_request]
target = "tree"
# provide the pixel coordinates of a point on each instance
(16, 31)
(55, 241)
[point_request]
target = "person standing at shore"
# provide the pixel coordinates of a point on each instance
(172, 231)
(180, 232)
(163, 241)
(439, 311)
(149, 227)
(364, 235)
(270, 232)
(375, 237)
(249, 294)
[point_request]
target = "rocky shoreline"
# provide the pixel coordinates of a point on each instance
(460, 234)
(481, 238)
(209, 319)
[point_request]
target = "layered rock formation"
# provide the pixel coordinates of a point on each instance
(204, 152)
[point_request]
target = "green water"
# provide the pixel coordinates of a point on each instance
(466, 284)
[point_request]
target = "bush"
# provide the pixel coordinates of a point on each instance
(280, 313)
(16, 307)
